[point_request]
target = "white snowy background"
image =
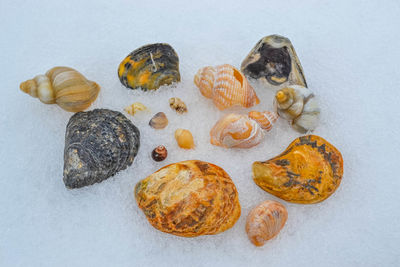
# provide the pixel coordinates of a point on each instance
(350, 52)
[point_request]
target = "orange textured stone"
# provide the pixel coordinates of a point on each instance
(189, 198)
(307, 172)
(265, 221)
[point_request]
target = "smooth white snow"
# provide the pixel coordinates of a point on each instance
(350, 51)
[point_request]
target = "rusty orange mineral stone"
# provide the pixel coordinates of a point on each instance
(307, 172)
(189, 198)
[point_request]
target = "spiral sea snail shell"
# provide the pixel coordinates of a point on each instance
(242, 131)
(226, 86)
(298, 105)
(63, 86)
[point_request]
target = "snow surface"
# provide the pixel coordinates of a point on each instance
(349, 51)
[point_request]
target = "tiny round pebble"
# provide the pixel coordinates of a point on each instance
(159, 153)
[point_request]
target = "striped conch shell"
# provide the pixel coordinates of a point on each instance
(63, 86)
(226, 86)
(241, 131)
(298, 105)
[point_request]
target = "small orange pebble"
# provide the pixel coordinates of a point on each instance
(184, 139)
(265, 221)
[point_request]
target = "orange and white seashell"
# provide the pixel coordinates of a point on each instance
(265, 119)
(226, 86)
(236, 130)
(265, 221)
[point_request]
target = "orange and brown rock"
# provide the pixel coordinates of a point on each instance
(189, 198)
(307, 172)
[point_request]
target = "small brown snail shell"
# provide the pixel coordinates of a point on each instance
(159, 121)
(63, 86)
(265, 221)
(159, 153)
(178, 105)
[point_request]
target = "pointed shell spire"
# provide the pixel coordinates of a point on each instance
(64, 86)
(298, 105)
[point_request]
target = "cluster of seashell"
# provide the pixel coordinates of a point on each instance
(242, 131)
(193, 198)
(274, 61)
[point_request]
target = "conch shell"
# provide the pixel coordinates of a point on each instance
(265, 221)
(298, 105)
(226, 86)
(63, 86)
(307, 172)
(241, 131)
(189, 198)
(273, 60)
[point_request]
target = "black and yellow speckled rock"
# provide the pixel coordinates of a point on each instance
(149, 67)
(274, 61)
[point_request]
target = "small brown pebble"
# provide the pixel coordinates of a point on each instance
(178, 105)
(159, 153)
(159, 121)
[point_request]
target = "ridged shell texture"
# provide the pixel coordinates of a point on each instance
(241, 131)
(265, 221)
(98, 144)
(189, 198)
(226, 86)
(63, 86)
